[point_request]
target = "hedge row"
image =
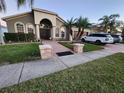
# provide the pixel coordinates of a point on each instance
(17, 37)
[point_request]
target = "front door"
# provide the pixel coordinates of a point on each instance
(45, 33)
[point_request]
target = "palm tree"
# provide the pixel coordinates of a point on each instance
(82, 23)
(69, 24)
(105, 22)
(114, 16)
(113, 22)
(2, 5)
(79, 25)
(19, 3)
(114, 25)
(109, 22)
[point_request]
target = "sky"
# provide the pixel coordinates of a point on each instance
(93, 9)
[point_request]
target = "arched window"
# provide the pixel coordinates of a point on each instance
(30, 28)
(57, 32)
(63, 32)
(19, 27)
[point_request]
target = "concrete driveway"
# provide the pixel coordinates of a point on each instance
(114, 47)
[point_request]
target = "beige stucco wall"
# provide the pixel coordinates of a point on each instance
(60, 25)
(25, 19)
(56, 22)
(38, 16)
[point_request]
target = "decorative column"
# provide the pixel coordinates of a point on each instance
(37, 32)
(53, 32)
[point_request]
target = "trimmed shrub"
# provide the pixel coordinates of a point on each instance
(11, 37)
(30, 37)
(17, 37)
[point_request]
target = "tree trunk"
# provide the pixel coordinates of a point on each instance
(105, 28)
(71, 31)
(70, 35)
(79, 30)
(82, 32)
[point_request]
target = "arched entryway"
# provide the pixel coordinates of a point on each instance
(45, 29)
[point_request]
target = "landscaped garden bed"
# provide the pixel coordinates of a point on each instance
(18, 53)
(87, 46)
(105, 75)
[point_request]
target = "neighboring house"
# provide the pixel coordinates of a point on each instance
(119, 31)
(43, 23)
(98, 28)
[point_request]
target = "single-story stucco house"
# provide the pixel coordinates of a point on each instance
(43, 23)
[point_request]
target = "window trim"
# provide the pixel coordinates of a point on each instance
(15, 26)
(63, 29)
(32, 28)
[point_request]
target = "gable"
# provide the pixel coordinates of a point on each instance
(16, 16)
(38, 16)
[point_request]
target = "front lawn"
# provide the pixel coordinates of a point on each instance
(18, 53)
(92, 47)
(88, 47)
(105, 75)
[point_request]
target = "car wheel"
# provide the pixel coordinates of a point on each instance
(83, 40)
(98, 42)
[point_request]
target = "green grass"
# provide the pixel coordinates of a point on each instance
(18, 53)
(67, 44)
(88, 47)
(105, 75)
(92, 47)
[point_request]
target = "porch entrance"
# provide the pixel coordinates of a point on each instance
(45, 33)
(45, 29)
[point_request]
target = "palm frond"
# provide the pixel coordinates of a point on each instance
(31, 2)
(20, 3)
(2, 6)
(70, 23)
(23, 2)
(82, 22)
(114, 16)
(103, 18)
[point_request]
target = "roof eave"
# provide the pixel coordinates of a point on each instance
(12, 16)
(44, 11)
(61, 19)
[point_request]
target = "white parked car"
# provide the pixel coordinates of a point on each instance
(117, 38)
(98, 38)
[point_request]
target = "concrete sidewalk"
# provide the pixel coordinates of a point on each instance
(16, 73)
